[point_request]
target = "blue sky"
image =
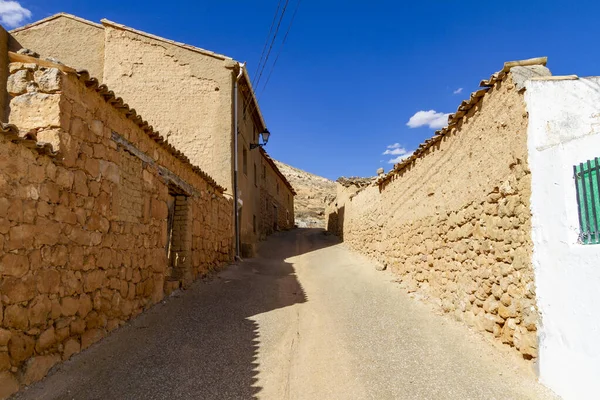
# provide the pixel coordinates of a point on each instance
(353, 73)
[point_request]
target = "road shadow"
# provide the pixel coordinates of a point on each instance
(197, 344)
(335, 222)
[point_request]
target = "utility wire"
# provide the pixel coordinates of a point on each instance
(262, 54)
(281, 46)
(272, 41)
(254, 105)
(256, 81)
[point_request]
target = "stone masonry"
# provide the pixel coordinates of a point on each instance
(93, 235)
(454, 221)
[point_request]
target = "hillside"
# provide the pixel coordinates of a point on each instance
(313, 192)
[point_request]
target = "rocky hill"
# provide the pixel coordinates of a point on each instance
(313, 193)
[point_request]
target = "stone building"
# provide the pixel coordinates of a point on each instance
(100, 217)
(185, 92)
(495, 220)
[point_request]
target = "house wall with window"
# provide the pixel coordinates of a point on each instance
(276, 198)
(564, 131)
(184, 91)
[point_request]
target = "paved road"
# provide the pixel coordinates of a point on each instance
(306, 320)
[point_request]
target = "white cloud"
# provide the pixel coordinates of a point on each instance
(431, 118)
(394, 150)
(400, 158)
(397, 149)
(12, 13)
(458, 91)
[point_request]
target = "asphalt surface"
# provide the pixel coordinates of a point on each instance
(307, 319)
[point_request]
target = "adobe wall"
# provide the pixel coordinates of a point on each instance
(276, 202)
(455, 226)
(258, 182)
(72, 41)
(185, 94)
(84, 236)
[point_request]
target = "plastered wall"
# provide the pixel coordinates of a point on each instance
(186, 95)
(564, 130)
(73, 41)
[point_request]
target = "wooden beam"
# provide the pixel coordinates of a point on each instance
(16, 57)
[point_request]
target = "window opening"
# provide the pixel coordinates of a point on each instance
(587, 185)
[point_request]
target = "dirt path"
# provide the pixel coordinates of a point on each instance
(306, 320)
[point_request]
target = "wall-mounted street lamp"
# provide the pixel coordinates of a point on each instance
(265, 138)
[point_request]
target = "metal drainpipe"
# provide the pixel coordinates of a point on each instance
(235, 162)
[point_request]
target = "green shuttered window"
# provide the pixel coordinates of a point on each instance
(587, 184)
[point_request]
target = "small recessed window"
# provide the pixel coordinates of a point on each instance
(255, 176)
(277, 187)
(587, 185)
(254, 223)
(245, 161)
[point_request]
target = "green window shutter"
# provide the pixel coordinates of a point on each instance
(587, 184)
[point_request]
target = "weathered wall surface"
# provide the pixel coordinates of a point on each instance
(264, 191)
(276, 206)
(455, 225)
(3, 74)
(73, 41)
(185, 94)
(564, 130)
(85, 239)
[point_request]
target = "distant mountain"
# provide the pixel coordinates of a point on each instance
(313, 194)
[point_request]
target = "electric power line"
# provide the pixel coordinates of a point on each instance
(281, 46)
(249, 99)
(267, 41)
(272, 41)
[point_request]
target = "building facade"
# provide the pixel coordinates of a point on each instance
(100, 218)
(187, 93)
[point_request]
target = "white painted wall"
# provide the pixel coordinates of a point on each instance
(564, 130)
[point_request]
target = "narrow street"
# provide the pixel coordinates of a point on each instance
(308, 319)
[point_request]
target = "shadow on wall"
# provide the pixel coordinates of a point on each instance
(335, 222)
(200, 343)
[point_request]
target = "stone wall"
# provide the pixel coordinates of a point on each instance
(157, 77)
(71, 40)
(185, 92)
(100, 232)
(455, 224)
(3, 74)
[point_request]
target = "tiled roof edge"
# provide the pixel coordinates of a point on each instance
(277, 171)
(462, 110)
(118, 103)
(11, 133)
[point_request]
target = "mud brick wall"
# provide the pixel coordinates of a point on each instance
(85, 236)
(455, 225)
